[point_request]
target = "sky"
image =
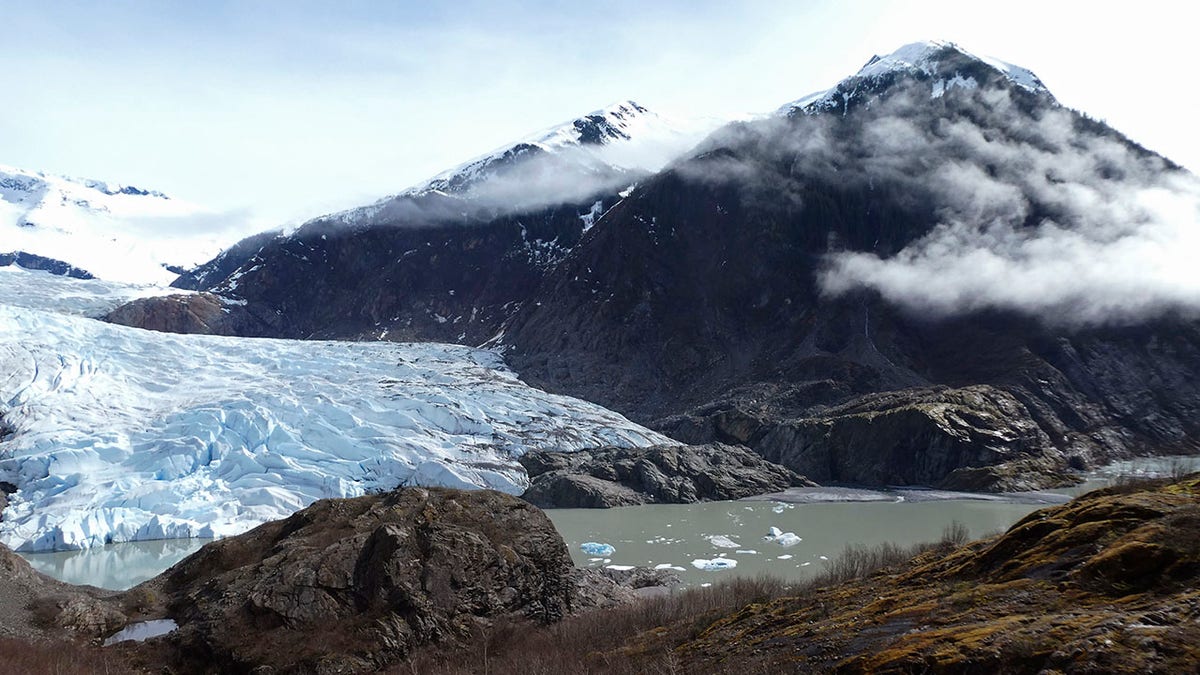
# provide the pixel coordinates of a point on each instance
(276, 112)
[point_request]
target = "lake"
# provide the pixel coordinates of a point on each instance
(824, 520)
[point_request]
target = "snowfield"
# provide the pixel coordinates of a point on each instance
(115, 232)
(119, 434)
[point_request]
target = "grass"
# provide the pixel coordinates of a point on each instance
(595, 642)
(57, 658)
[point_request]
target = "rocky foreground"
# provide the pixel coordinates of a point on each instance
(437, 580)
(1105, 584)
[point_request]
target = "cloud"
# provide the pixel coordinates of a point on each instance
(1030, 209)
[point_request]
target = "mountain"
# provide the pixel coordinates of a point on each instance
(90, 228)
(943, 65)
(919, 276)
(449, 259)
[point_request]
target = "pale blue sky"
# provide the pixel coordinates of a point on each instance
(287, 110)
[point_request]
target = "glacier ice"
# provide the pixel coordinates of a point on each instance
(722, 541)
(784, 539)
(597, 548)
(717, 563)
(122, 434)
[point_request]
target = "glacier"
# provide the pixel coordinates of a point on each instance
(116, 434)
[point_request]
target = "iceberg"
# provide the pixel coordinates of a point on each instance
(717, 563)
(597, 549)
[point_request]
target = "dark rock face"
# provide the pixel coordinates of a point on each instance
(350, 585)
(6, 489)
(220, 267)
(36, 262)
(657, 475)
(974, 438)
(410, 276)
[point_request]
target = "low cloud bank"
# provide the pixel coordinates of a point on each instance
(1034, 208)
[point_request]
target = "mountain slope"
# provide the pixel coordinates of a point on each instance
(931, 273)
(725, 299)
(449, 259)
(115, 232)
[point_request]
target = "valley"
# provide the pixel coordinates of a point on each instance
(775, 391)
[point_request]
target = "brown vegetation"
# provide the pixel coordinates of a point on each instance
(639, 638)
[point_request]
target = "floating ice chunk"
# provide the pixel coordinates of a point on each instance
(746, 551)
(805, 564)
(705, 584)
(142, 631)
(788, 539)
(785, 556)
(780, 508)
(597, 549)
(782, 538)
(668, 566)
(822, 557)
(721, 541)
(619, 568)
(717, 563)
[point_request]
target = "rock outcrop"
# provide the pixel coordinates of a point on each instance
(978, 438)
(197, 313)
(664, 474)
(350, 585)
(6, 489)
(35, 606)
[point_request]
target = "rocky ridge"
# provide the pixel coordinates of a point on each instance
(664, 474)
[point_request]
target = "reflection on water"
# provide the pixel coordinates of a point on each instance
(116, 566)
(686, 537)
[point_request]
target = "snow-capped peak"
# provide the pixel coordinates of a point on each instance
(945, 64)
(115, 232)
(601, 135)
(615, 144)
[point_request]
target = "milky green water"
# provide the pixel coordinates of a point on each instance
(679, 534)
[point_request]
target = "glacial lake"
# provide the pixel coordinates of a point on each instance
(678, 535)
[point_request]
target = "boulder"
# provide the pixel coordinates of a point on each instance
(663, 474)
(196, 313)
(351, 585)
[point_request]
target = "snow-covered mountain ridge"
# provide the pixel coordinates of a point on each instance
(119, 434)
(944, 64)
(605, 149)
(115, 232)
